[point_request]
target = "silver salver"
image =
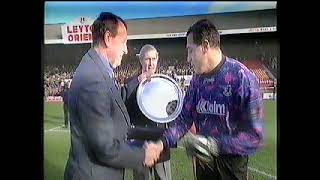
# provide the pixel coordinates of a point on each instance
(160, 99)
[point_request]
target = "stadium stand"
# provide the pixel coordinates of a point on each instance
(55, 76)
(266, 80)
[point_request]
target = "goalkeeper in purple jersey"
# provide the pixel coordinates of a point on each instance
(224, 102)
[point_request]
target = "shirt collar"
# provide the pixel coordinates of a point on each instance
(108, 66)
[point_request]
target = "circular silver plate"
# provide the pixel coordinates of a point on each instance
(160, 99)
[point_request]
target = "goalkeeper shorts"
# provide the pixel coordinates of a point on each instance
(224, 167)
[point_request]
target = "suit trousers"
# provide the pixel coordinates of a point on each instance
(66, 115)
(161, 171)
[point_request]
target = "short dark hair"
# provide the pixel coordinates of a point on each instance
(205, 30)
(105, 22)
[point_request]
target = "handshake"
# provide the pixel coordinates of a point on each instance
(152, 152)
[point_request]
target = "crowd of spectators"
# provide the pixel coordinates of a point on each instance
(271, 62)
(56, 76)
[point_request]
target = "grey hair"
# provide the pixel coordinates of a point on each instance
(146, 48)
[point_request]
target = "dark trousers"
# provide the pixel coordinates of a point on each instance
(66, 114)
(161, 171)
(227, 167)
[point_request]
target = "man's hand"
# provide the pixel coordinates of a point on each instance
(145, 75)
(153, 151)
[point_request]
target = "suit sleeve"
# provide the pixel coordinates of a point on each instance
(96, 108)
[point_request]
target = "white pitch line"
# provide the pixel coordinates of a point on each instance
(262, 172)
(59, 130)
(53, 128)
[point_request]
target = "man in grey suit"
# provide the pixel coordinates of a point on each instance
(98, 117)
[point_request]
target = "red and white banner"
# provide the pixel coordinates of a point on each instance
(269, 96)
(54, 99)
(77, 32)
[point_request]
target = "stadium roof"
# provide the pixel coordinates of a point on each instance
(65, 12)
(170, 27)
(223, 21)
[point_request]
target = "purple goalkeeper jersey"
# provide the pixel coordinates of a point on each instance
(225, 104)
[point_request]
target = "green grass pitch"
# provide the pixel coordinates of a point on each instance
(57, 142)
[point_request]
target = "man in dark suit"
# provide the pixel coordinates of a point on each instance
(148, 59)
(64, 94)
(98, 117)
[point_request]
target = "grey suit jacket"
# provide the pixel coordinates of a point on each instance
(98, 123)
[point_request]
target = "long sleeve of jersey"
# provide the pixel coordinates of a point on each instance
(249, 135)
(183, 123)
